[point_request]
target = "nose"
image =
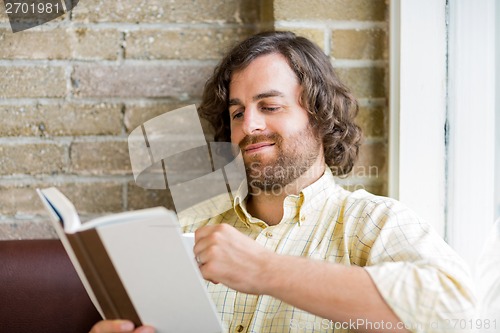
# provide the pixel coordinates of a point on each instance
(253, 121)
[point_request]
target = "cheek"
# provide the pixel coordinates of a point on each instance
(236, 136)
(290, 127)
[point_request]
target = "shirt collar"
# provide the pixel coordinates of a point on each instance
(303, 202)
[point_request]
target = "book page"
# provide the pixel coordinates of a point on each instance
(160, 275)
(60, 208)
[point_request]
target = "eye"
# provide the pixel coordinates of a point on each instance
(270, 108)
(235, 111)
(237, 115)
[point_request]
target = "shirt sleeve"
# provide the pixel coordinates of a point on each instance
(426, 284)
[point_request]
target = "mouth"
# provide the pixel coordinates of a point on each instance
(257, 147)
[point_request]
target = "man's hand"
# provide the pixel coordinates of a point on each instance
(333, 291)
(119, 326)
(227, 256)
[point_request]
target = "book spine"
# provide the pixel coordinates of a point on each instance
(102, 276)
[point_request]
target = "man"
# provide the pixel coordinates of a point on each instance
(299, 253)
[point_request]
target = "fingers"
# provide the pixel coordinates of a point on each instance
(226, 255)
(205, 231)
(212, 234)
(207, 249)
(145, 329)
(209, 237)
(119, 326)
(111, 326)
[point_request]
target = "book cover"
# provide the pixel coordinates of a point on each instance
(136, 265)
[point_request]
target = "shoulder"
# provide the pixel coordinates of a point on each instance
(374, 223)
(380, 210)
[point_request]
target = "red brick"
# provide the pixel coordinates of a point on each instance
(136, 115)
(91, 197)
(32, 81)
(98, 198)
(345, 10)
(100, 158)
(26, 229)
(174, 11)
(364, 82)
(96, 44)
(359, 44)
(183, 44)
(60, 119)
(20, 199)
(29, 44)
(139, 198)
(140, 80)
(372, 121)
(32, 158)
(315, 35)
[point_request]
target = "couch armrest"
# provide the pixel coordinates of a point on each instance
(40, 290)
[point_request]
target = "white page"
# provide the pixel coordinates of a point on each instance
(160, 275)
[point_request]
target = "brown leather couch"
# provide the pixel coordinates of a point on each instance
(40, 290)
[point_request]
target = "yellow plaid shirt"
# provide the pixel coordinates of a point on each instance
(425, 283)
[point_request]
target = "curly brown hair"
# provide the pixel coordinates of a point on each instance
(330, 105)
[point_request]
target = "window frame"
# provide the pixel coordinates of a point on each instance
(438, 182)
(417, 74)
(471, 117)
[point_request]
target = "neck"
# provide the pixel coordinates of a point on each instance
(268, 206)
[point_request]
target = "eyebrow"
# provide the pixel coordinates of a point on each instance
(266, 94)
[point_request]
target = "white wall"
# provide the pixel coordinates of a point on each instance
(418, 107)
(441, 75)
(471, 116)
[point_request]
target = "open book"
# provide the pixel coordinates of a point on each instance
(136, 265)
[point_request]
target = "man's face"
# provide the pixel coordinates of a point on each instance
(269, 124)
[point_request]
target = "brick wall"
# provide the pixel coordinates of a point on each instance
(354, 34)
(71, 90)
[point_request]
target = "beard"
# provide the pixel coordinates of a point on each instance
(294, 157)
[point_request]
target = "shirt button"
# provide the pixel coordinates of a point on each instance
(269, 234)
(302, 219)
(239, 328)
